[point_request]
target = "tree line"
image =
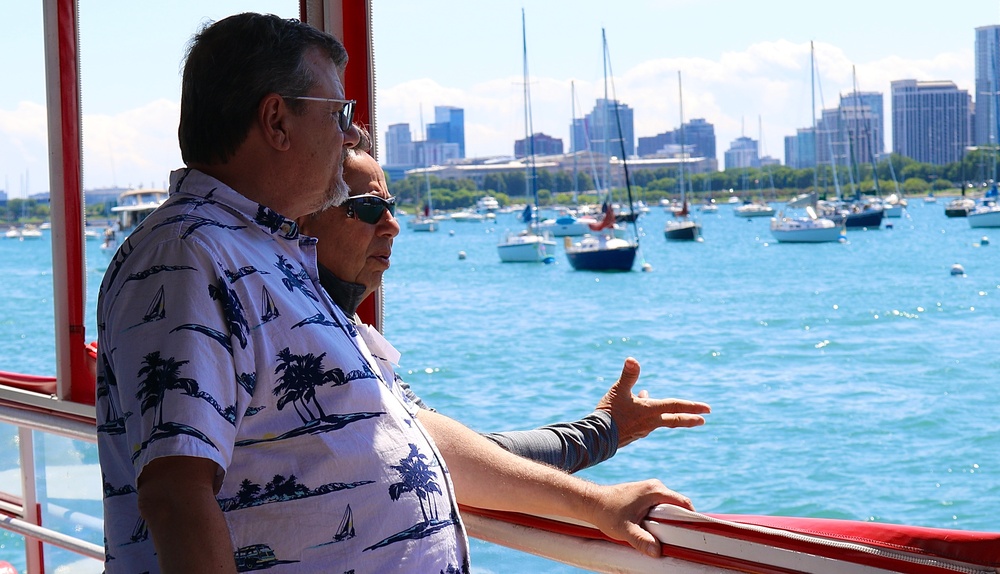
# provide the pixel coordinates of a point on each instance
(895, 174)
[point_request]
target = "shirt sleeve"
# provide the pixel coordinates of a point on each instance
(412, 395)
(570, 446)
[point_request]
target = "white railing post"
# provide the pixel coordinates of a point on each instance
(32, 546)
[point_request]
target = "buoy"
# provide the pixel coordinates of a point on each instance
(646, 267)
(984, 241)
(958, 270)
(7, 568)
(461, 255)
(451, 232)
(549, 260)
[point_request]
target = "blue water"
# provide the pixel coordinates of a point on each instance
(850, 380)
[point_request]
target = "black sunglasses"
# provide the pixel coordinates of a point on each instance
(369, 208)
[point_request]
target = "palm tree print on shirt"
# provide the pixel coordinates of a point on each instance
(160, 375)
(300, 376)
(280, 489)
(418, 479)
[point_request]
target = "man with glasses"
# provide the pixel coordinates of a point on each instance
(355, 243)
(243, 423)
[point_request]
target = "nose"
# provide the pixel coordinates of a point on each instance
(352, 137)
(388, 226)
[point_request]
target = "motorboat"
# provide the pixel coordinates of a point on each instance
(959, 207)
(487, 204)
(12, 233)
(134, 205)
(754, 209)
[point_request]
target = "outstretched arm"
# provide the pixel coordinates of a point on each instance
(487, 476)
(638, 415)
(620, 418)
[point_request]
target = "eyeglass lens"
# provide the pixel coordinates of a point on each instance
(369, 208)
(346, 116)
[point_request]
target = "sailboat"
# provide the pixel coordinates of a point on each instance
(602, 250)
(528, 245)
(811, 228)
(424, 222)
(860, 211)
(681, 227)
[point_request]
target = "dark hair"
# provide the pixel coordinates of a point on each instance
(230, 66)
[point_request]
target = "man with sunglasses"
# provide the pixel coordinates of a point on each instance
(354, 255)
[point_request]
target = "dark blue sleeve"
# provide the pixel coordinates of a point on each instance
(570, 446)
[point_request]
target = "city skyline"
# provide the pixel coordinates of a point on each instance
(740, 62)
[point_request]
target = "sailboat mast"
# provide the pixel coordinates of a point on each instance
(607, 129)
(529, 166)
(815, 146)
(427, 178)
(680, 100)
(576, 147)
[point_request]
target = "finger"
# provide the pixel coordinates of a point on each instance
(681, 420)
(629, 376)
(642, 540)
(680, 406)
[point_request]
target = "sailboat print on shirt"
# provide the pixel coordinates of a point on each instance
(345, 531)
(156, 309)
(270, 311)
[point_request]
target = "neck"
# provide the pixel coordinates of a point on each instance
(346, 295)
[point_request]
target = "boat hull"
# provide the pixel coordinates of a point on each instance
(684, 230)
(601, 254)
(526, 248)
(422, 224)
(804, 230)
(985, 217)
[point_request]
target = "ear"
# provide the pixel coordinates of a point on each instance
(273, 116)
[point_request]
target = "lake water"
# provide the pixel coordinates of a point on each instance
(853, 380)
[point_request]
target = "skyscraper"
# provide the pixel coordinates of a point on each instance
(448, 127)
(399, 146)
(600, 130)
(930, 121)
(742, 152)
(987, 118)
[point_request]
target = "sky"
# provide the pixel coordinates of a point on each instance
(744, 67)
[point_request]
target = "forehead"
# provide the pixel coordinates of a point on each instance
(364, 175)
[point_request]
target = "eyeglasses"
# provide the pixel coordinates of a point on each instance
(345, 115)
(369, 208)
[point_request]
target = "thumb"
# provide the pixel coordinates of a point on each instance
(643, 541)
(629, 376)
